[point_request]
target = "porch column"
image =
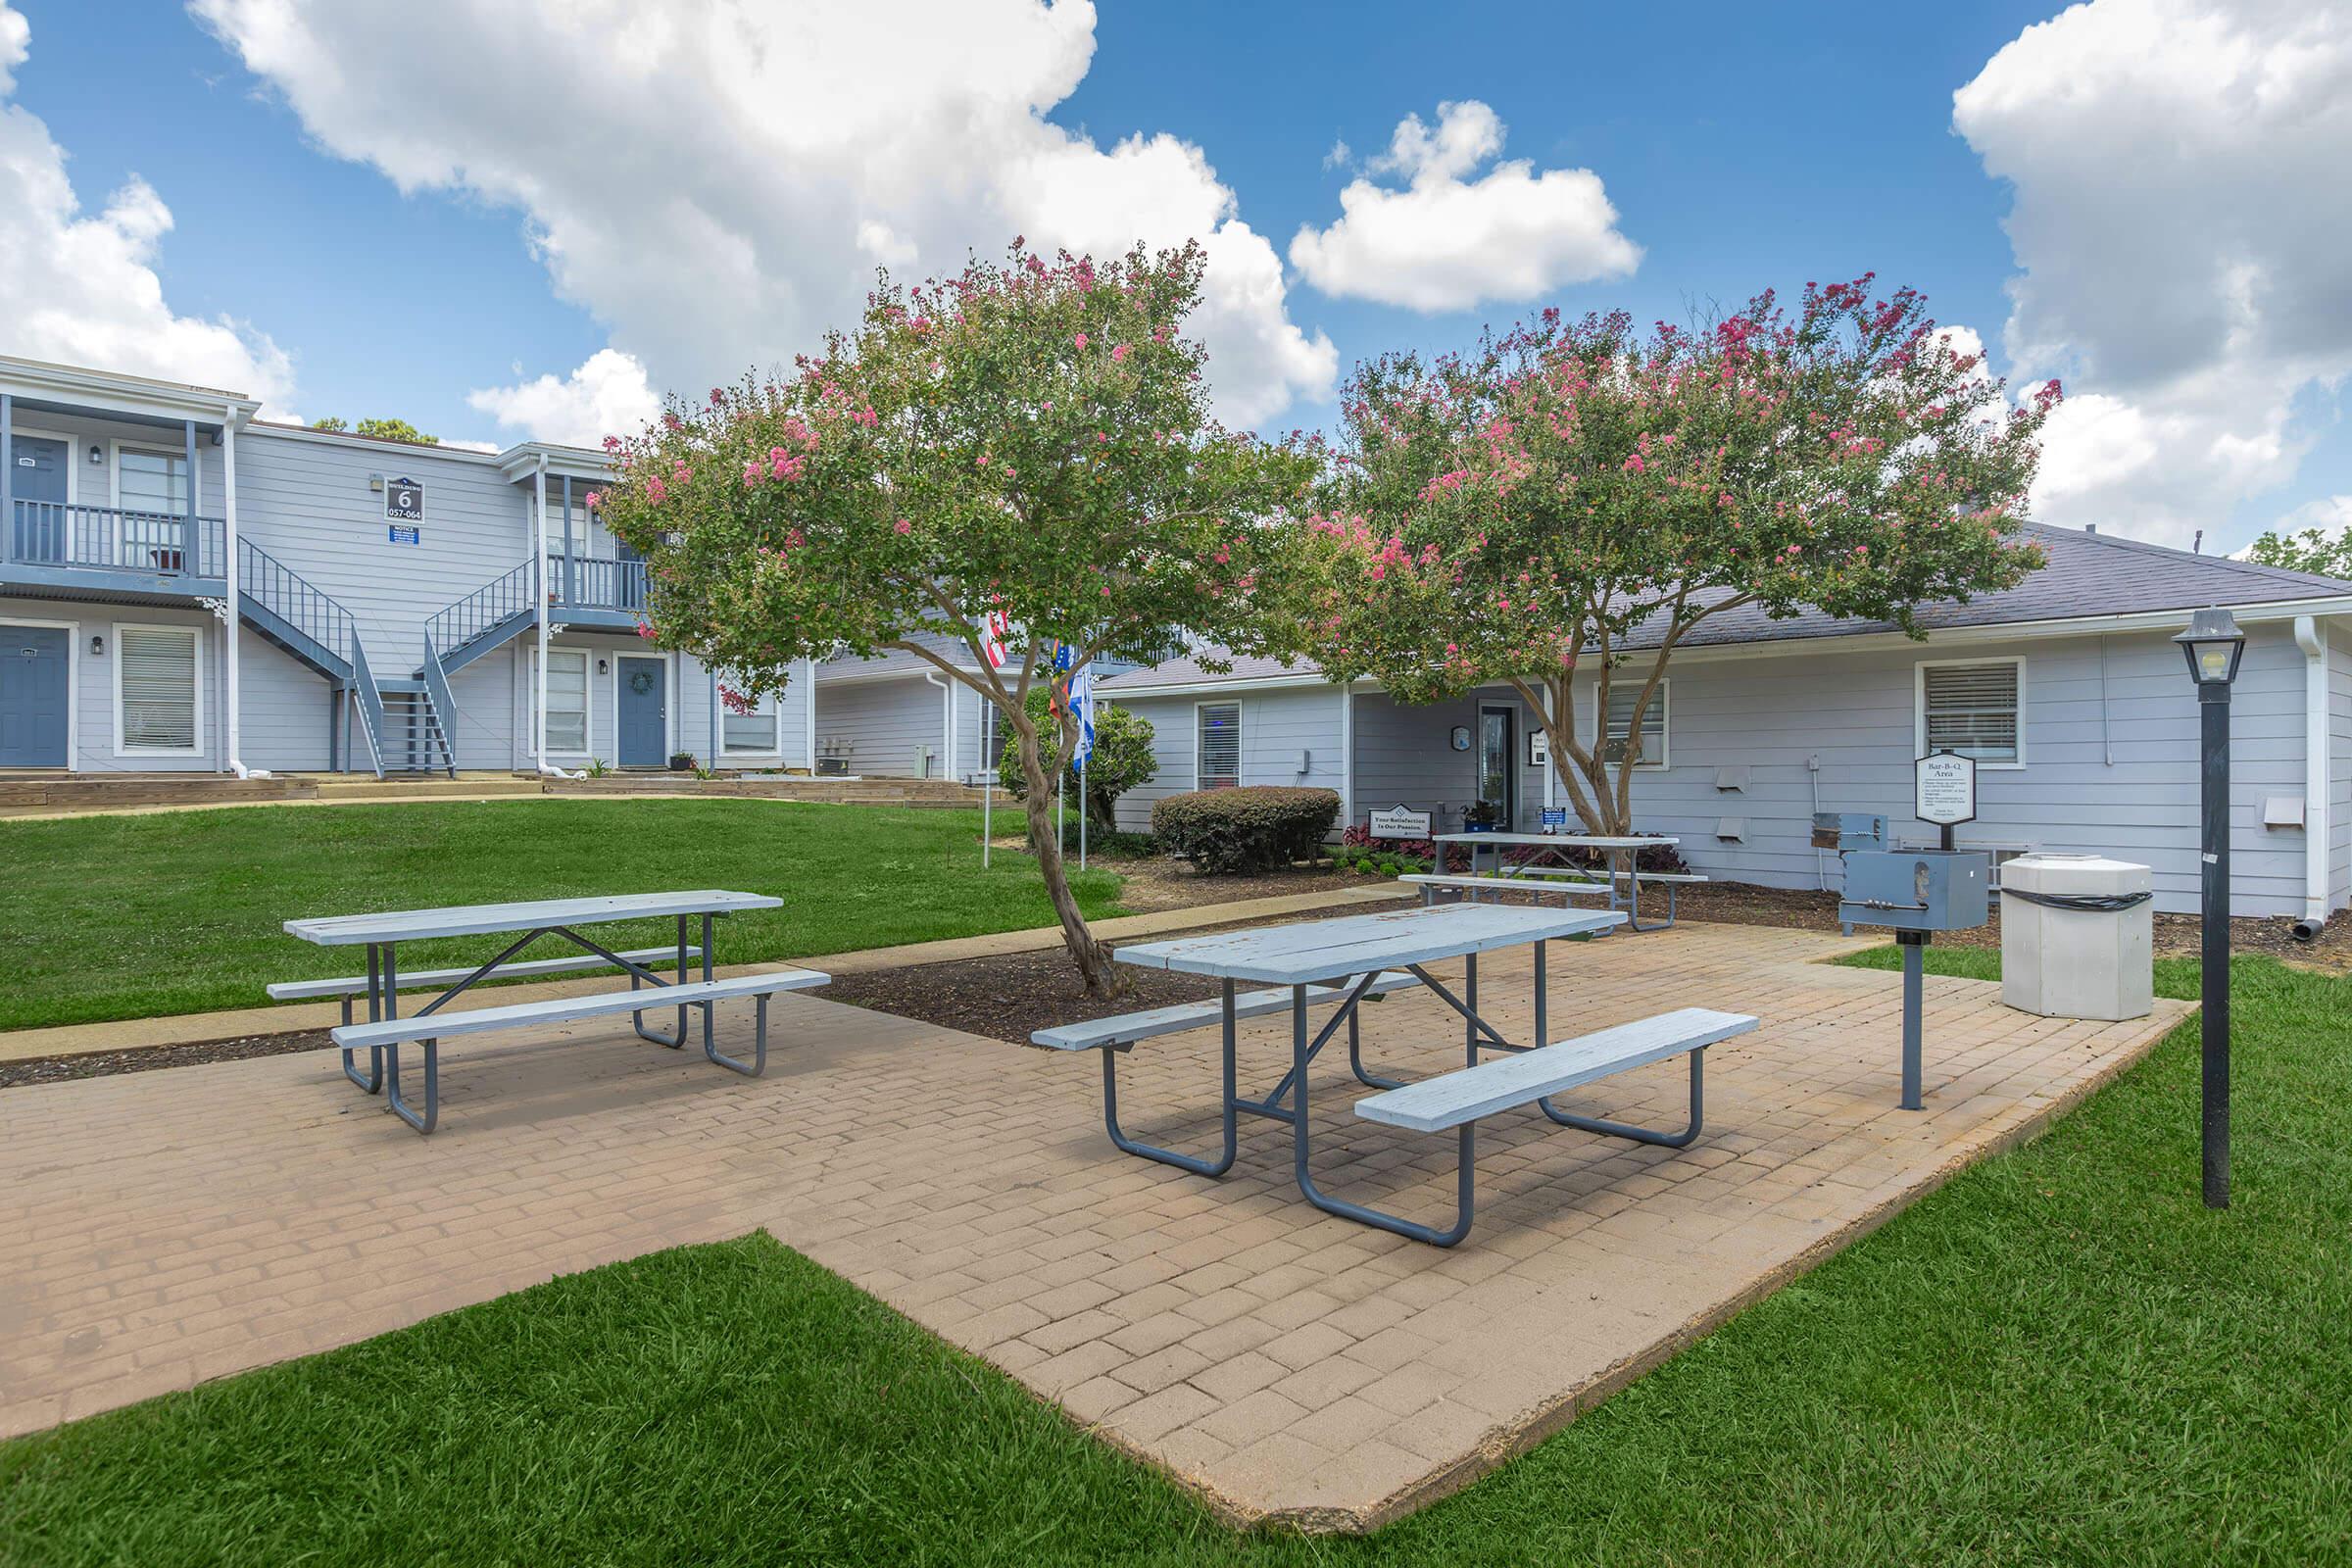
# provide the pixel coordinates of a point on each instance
(8, 474)
(191, 544)
(539, 612)
(571, 587)
(228, 547)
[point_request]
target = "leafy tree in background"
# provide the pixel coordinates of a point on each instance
(1574, 496)
(1029, 439)
(382, 429)
(1122, 757)
(2328, 554)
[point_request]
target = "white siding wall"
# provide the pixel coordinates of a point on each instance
(1287, 737)
(883, 724)
(2111, 758)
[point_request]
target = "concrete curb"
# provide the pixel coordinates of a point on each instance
(194, 1028)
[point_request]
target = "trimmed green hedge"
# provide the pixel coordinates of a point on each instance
(1255, 828)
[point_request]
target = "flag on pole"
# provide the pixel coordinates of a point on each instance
(1082, 709)
(995, 632)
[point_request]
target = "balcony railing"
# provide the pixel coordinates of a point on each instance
(53, 533)
(585, 582)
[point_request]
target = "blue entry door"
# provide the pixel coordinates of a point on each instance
(38, 482)
(34, 663)
(644, 710)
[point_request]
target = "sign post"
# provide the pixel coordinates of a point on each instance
(1944, 790)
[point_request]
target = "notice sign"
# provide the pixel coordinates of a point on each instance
(404, 500)
(1554, 817)
(1400, 824)
(406, 535)
(1539, 748)
(1945, 787)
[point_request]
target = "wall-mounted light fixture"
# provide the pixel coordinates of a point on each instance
(97, 453)
(375, 483)
(97, 644)
(604, 666)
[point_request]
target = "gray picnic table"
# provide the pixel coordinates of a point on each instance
(381, 934)
(1620, 851)
(1343, 961)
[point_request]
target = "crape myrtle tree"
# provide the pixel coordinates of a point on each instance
(1574, 495)
(1030, 440)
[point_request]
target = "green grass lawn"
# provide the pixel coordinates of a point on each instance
(136, 916)
(2059, 1357)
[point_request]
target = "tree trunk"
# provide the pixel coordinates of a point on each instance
(1044, 839)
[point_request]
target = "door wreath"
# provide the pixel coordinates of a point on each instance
(641, 681)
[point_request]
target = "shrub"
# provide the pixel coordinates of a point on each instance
(1107, 842)
(1123, 757)
(1255, 828)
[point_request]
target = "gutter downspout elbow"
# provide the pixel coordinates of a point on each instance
(2312, 638)
(947, 692)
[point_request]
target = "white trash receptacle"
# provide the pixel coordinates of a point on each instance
(2078, 937)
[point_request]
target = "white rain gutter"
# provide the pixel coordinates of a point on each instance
(2312, 637)
(235, 617)
(947, 689)
(809, 715)
(539, 617)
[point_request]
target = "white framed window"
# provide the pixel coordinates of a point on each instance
(1654, 743)
(151, 479)
(159, 691)
(568, 700)
(1217, 756)
(760, 732)
(1974, 707)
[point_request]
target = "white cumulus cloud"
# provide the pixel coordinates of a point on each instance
(606, 395)
(1448, 242)
(2181, 220)
(80, 287)
(717, 179)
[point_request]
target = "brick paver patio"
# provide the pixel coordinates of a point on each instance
(162, 1228)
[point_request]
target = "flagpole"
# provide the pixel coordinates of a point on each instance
(1082, 813)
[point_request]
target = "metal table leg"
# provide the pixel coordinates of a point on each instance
(1464, 1155)
(1167, 1156)
(375, 1080)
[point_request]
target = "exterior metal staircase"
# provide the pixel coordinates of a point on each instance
(408, 724)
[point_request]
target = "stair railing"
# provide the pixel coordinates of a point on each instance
(371, 705)
(293, 599)
(479, 612)
(444, 716)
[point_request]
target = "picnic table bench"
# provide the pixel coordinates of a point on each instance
(384, 1032)
(1619, 851)
(1344, 961)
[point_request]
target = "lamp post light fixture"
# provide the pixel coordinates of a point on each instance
(2213, 645)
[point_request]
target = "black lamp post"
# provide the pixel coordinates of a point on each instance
(2213, 645)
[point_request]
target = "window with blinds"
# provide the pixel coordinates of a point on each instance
(1621, 719)
(1220, 767)
(568, 700)
(1970, 709)
(755, 731)
(155, 689)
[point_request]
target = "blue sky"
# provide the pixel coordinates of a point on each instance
(1739, 146)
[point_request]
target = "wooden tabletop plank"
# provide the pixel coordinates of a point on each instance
(480, 919)
(1308, 951)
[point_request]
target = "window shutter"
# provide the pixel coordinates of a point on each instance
(1972, 709)
(1220, 746)
(159, 688)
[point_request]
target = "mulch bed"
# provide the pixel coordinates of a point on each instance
(1011, 996)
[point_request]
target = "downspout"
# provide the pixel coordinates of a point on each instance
(946, 689)
(234, 617)
(809, 716)
(539, 617)
(1347, 756)
(2312, 638)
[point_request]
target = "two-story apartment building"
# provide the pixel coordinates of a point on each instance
(396, 607)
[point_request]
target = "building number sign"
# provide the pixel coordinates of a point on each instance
(404, 500)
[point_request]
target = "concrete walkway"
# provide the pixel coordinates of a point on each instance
(191, 1028)
(156, 1229)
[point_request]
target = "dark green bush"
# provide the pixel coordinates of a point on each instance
(1255, 828)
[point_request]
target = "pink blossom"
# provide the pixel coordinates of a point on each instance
(903, 526)
(656, 491)
(1081, 341)
(1118, 355)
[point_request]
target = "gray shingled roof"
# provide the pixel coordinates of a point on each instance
(2087, 574)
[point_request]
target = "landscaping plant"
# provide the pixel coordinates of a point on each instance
(1122, 759)
(1025, 447)
(1258, 827)
(1564, 506)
